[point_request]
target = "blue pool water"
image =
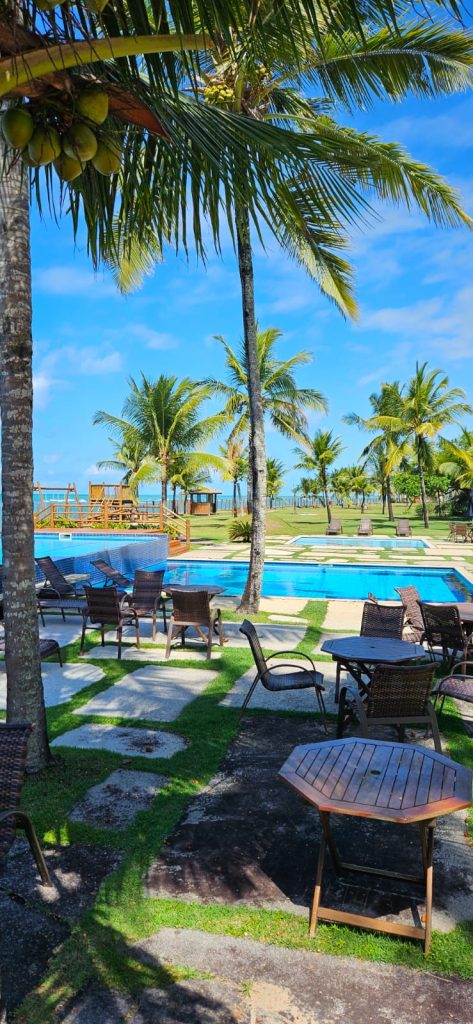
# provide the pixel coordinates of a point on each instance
(72, 545)
(359, 542)
(285, 579)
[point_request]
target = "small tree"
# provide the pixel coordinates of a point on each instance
(318, 453)
(274, 479)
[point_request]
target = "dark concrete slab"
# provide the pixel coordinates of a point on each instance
(249, 839)
(99, 1006)
(196, 1002)
(37, 918)
(115, 802)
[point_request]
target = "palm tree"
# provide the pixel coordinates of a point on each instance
(316, 454)
(235, 453)
(385, 451)
(186, 478)
(163, 415)
(274, 479)
(455, 459)
(131, 459)
(359, 483)
(427, 405)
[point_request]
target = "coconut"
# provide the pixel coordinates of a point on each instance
(67, 167)
(44, 146)
(47, 5)
(107, 157)
(17, 127)
(25, 156)
(93, 104)
(97, 6)
(80, 142)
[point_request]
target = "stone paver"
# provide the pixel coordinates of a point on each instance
(343, 615)
(156, 653)
(283, 604)
(64, 632)
(115, 802)
(122, 740)
(294, 619)
(155, 692)
(274, 637)
(59, 683)
(285, 700)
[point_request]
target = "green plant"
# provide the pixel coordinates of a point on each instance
(240, 529)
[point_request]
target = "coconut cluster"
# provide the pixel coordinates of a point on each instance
(67, 138)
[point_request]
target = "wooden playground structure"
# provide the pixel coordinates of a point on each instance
(108, 506)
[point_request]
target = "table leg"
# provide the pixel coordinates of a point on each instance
(317, 887)
(325, 822)
(429, 877)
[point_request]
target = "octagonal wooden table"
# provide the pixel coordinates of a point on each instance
(386, 781)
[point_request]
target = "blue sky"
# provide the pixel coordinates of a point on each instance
(415, 290)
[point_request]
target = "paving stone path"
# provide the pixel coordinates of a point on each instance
(60, 684)
(283, 636)
(122, 740)
(115, 802)
(157, 693)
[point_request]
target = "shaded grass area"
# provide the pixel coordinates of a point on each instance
(100, 946)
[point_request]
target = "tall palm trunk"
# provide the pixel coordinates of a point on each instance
(25, 699)
(383, 498)
(423, 492)
(323, 477)
(389, 499)
(234, 499)
(257, 452)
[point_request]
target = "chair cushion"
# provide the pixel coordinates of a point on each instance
(47, 647)
(460, 687)
(292, 680)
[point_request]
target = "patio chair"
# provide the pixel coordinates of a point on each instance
(334, 529)
(13, 745)
(383, 620)
(458, 684)
(46, 647)
(113, 577)
(459, 531)
(105, 606)
(443, 629)
(398, 695)
(365, 528)
(413, 621)
(147, 597)
(192, 608)
(403, 528)
(294, 677)
(57, 592)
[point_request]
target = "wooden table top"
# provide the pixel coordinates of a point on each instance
(377, 779)
(372, 649)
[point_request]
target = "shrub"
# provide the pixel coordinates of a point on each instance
(240, 529)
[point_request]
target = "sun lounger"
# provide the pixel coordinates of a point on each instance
(334, 529)
(403, 528)
(365, 528)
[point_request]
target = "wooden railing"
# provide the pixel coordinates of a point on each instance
(105, 513)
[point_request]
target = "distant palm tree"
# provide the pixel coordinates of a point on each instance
(163, 416)
(359, 483)
(386, 451)
(130, 459)
(185, 478)
(318, 453)
(427, 405)
(235, 454)
(274, 478)
(455, 459)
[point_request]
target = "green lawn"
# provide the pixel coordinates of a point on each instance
(314, 520)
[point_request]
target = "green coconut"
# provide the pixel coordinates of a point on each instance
(17, 127)
(107, 158)
(80, 142)
(93, 104)
(47, 5)
(25, 156)
(67, 167)
(44, 145)
(97, 6)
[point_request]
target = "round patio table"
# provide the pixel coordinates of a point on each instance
(384, 781)
(359, 654)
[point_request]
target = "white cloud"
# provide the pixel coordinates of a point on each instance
(72, 281)
(158, 340)
(42, 385)
(89, 362)
(51, 458)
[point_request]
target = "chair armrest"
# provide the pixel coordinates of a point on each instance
(298, 654)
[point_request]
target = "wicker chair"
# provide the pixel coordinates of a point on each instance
(443, 628)
(334, 528)
(458, 684)
(13, 745)
(403, 528)
(113, 577)
(147, 598)
(413, 621)
(398, 695)
(57, 592)
(459, 531)
(47, 647)
(107, 607)
(192, 608)
(383, 620)
(298, 678)
(365, 528)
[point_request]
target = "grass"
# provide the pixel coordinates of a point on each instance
(99, 947)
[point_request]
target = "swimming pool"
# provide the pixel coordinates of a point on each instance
(359, 542)
(286, 579)
(67, 545)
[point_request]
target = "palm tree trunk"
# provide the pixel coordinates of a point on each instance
(249, 479)
(257, 454)
(389, 499)
(383, 498)
(325, 493)
(25, 699)
(423, 493)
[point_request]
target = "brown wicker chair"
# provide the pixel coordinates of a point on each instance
(398, 695)
(58, 593)
(107, 607)
(365, 528)
(459, 531)
(147, 597)
(113, 577)
(46, 647)
(13, 745)
(413, 621)
(458, 684)
(444, 630)
(383, 620)
(299, 678)
(192, 608)
(403, 528)
(334, 528)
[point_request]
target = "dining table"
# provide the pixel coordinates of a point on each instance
(359, 655)
(384, 781)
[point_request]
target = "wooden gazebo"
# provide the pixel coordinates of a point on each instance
(201, 502)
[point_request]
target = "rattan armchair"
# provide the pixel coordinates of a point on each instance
(107, 607)
(444, 630)
(458, 684)
(13, 746)
(192, 608)
(413, 621)
(297, 678)
(113, 577)
(147, 597)
(397, 695)
(382, 620)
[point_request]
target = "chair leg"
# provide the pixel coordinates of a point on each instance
(153, 627)
(435, 729)
(341, 713)
(119, 638)
(250, 692)
(102, 634)
(23, 821)
(209, 640)
(84, 627)
(59, 655)
(170, 632)
(321, 703)
(41, 615)
(137, 631)
(163, 609)
(221, 638)
(337, 683)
